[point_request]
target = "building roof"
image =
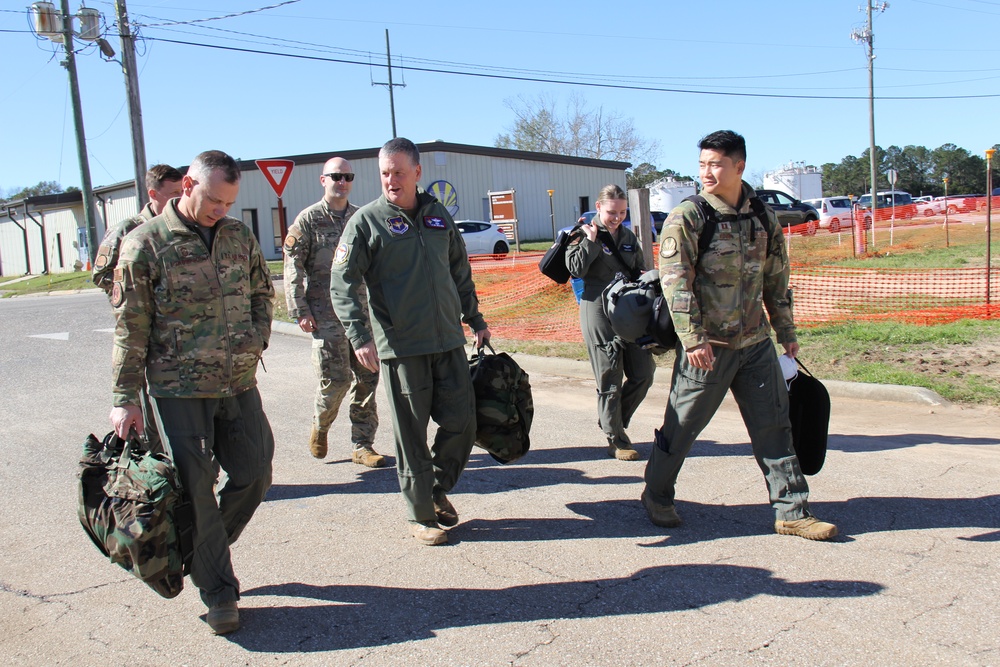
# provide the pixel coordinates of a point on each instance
(435, 146)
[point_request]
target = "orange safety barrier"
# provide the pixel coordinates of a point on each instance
(519, 303)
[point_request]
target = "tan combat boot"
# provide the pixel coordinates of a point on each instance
(317, 443)
(367, 456)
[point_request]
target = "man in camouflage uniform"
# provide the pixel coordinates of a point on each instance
(717, 302)
(309, 248)
(193, 303)
(163, 183)
(406, 248)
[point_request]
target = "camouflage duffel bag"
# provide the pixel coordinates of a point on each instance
(504, 408)
(132, 507)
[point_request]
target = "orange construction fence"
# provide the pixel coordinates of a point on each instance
(519, 303)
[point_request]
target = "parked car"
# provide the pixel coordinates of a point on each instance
(834, 212)
(483, 238)
(928, 206)
(790, 211)
(891, 204)
(659, 217)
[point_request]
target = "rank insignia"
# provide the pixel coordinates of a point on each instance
(397, 225)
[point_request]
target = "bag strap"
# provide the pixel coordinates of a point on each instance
(712, 218)
(633, 274)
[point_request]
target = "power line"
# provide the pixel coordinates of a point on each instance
(227, 16)
(589, 84)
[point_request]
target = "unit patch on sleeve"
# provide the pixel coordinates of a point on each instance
(669, 247)
(434, 222)
(292, 239)
(343, 250)
(397, 225)
(117, 295)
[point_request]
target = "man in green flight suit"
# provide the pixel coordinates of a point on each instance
(408, 251)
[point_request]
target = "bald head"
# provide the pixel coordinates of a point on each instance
(335, 191)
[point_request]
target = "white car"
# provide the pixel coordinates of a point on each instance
(483, 238)
(834, 212)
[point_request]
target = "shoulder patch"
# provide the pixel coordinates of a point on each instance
(101, 261)
(397, 225)
(668, 248)
(292, 239)
(434, 222)
(117, 294)
(343, 250)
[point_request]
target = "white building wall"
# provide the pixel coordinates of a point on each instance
(12, 259)
(118, 205)
(801, 182)
(473, 177)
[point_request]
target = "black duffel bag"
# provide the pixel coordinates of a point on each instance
(809, 414)
(553, 263)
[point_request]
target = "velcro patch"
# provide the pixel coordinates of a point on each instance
(669, 247)
(117, 294)
(607, 250)
(628, 247)
(681, 302)
(397, 225)
(343, 250)
(118, 275)
(292, 239)
(434, 222)
(101, 262)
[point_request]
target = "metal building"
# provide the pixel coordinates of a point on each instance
(47, 234)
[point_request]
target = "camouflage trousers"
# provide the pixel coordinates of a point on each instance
(204, 434)
(755, 378)
(420, 388)
(340, 373)
(613, 360)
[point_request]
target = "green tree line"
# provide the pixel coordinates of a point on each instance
(921, 171)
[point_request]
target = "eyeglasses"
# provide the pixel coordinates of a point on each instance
(336, 177)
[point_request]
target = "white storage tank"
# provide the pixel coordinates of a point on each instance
(798, 179)
(666, 193)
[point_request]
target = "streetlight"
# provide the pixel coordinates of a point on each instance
(552, 214)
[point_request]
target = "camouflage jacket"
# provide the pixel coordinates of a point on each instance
(418, 275)
(721, 296)
(309, 247)
(596, 264)
(193, 322)
(107, 252)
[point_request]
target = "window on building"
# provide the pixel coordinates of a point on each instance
(250, 220)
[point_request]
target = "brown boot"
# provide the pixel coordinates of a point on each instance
(367, 456)
(317, 443)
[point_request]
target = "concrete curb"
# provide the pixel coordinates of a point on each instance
(581, 370)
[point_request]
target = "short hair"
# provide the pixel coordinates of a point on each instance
(205, 163)
(611, 191)
(401, 145)
(159, 173)
(729, 143)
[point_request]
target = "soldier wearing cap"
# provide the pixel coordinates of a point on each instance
(717, 301)
(309, 248)
(163, 183)
(193, 304)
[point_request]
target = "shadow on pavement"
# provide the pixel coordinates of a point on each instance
(347, 617)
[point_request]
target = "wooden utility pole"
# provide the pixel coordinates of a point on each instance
(134, 107)
(81, 137)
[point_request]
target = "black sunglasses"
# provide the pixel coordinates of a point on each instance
(336, 177)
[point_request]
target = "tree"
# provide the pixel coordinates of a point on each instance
(37, 190)
(578, 131)
(645, 174)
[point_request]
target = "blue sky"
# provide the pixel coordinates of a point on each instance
(254, 105)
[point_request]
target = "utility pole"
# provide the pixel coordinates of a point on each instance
(866, 36)
(392, 102)
(134, 107)
(81, 139)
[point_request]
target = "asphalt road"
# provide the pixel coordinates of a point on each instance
(554, 561)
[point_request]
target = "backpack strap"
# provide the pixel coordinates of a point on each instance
(633, 274)
(712, 218)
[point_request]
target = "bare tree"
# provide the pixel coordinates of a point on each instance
(579, 131)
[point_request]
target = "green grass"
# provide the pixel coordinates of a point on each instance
(950, 359)
(54, 282)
